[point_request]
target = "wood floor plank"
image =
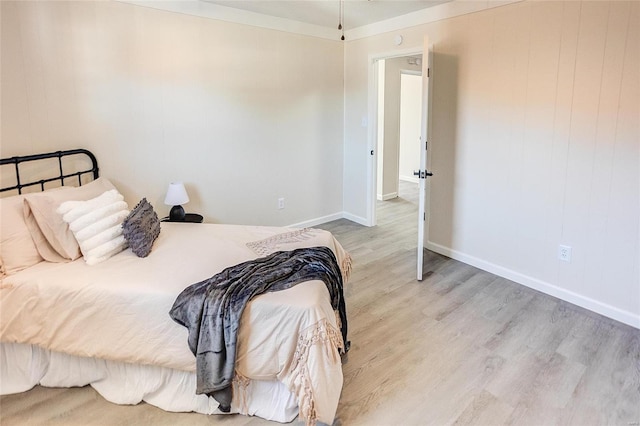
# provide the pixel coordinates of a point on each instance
(461, 347)
(484, 409)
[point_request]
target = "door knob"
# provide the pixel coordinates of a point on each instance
(422, 174)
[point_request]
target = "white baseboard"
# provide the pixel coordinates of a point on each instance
(354, 218)
(612, 312)
(329, 218)
(317, 221)
(389, 196)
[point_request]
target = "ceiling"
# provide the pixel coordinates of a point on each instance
(325, 13)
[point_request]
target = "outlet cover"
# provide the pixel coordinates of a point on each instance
(564, 253)
(280, 203)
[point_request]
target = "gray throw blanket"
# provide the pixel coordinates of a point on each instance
(211, 309)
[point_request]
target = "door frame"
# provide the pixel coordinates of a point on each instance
(372, 118)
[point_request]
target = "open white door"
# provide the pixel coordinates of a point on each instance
(423, 173)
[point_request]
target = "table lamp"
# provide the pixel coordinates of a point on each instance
(176, 195)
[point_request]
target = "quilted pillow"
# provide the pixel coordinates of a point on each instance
(141, 228)
(97, 225)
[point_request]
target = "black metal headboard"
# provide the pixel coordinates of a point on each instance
(52, 175)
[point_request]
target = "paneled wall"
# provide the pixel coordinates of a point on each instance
(534, 143)
(242, 115)
(535, 138)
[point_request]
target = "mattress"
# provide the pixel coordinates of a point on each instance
(117, 310)
(129, 384)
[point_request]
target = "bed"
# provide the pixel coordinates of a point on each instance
(66, 323)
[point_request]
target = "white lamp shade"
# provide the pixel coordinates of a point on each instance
(176, 194)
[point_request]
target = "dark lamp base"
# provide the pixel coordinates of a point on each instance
(176, 214)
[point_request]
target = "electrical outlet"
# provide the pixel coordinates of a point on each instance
(564, 253)
(280, 203)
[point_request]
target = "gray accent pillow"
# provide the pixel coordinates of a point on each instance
(141, 228)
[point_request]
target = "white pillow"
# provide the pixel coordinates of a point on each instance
(97, 225)
(53, 238)
(17, 249)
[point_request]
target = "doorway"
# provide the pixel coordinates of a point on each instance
(399, 90)
(377, 151)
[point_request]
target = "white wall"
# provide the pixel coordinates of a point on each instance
(242, 115)
(535, 125)
(534, 144)
(391, 127)
(410, 120)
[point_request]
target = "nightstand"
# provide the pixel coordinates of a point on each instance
(188, 217)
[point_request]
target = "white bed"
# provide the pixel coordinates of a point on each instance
(107, 325)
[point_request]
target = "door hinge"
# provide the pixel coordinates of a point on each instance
(424, 217)
(428, 72)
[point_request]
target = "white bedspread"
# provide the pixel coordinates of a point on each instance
(118, 310)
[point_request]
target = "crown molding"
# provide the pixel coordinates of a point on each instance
(238, 16)
(424, 16)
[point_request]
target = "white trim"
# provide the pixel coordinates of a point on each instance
(389, 196)
(372, 140)
(317, 221)
(229, 14)
(354, 218)
(372, 134)
(424, 16)
(329, 218)
(239, 16)
(391, 54)
(411, 72)
(609, 311)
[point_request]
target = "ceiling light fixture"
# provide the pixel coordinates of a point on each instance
(341, 18)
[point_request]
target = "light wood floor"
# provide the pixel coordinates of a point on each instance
(461, 347)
